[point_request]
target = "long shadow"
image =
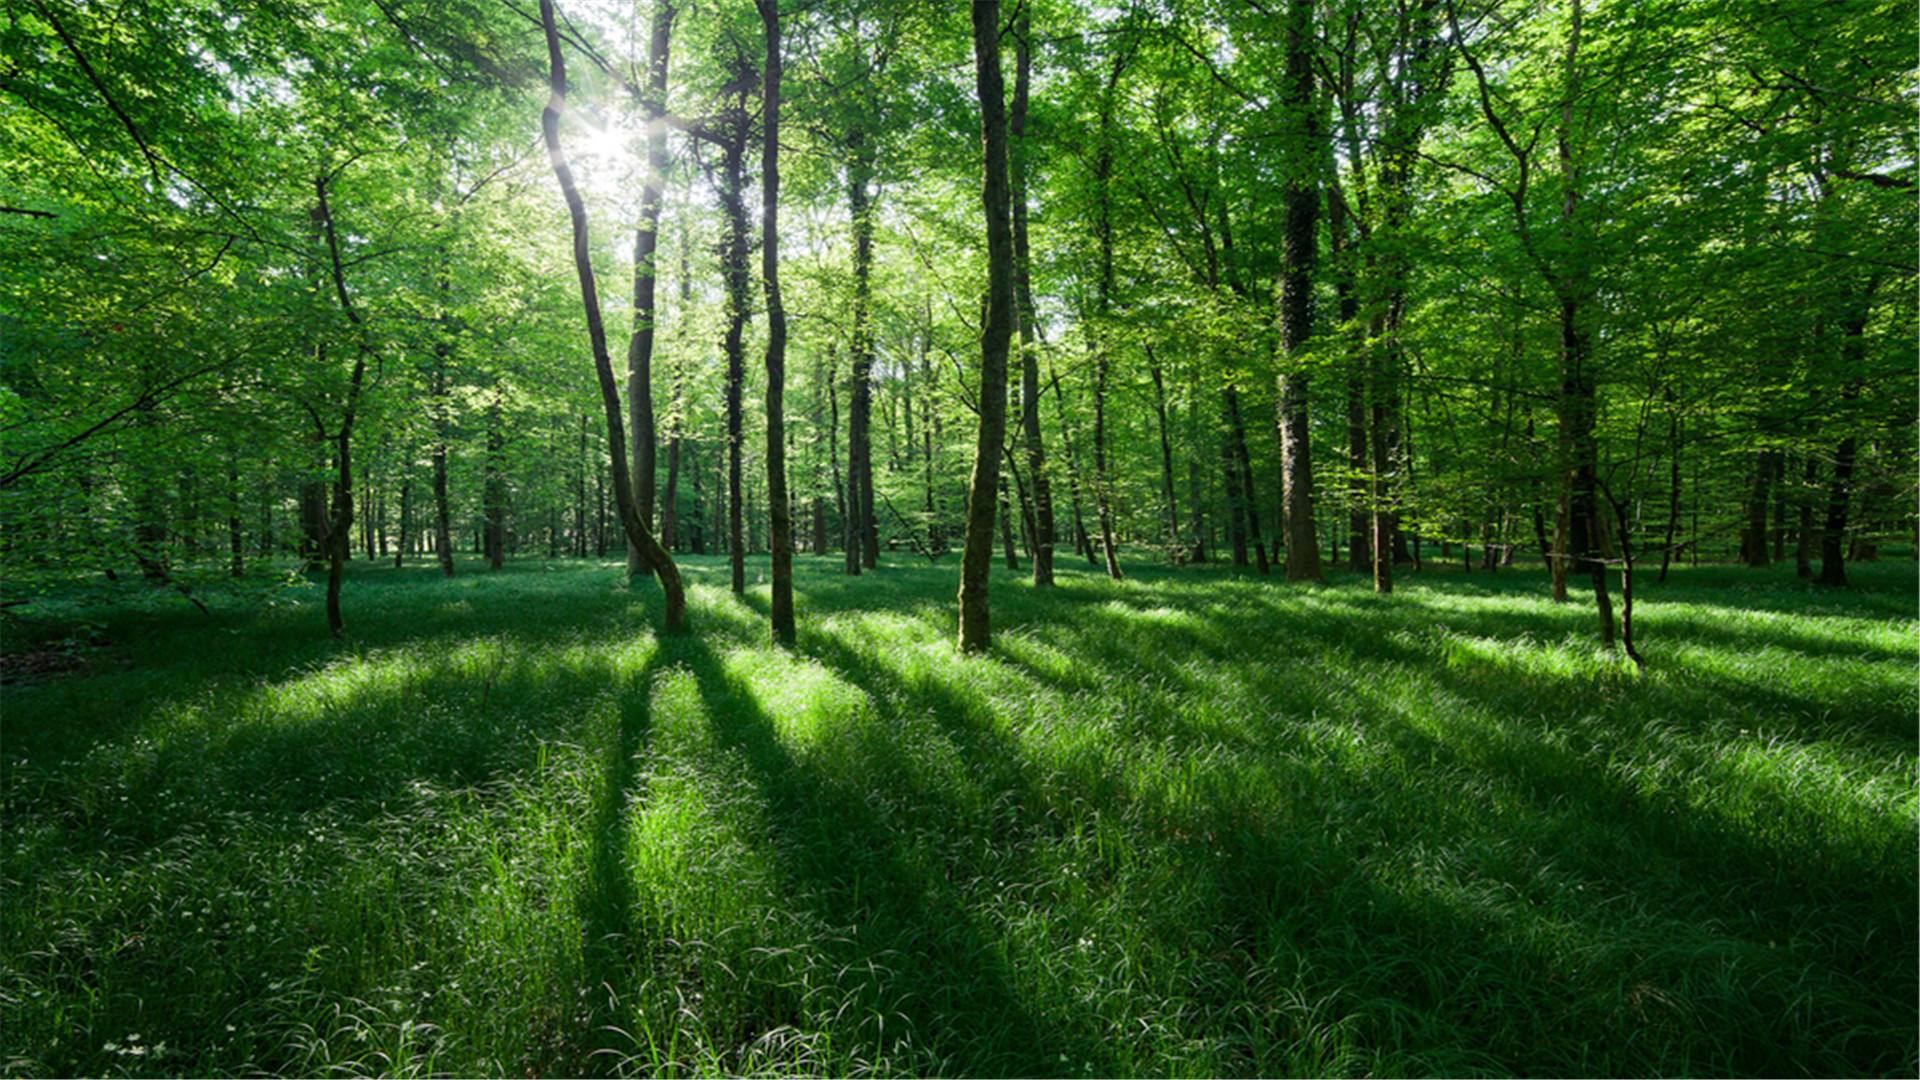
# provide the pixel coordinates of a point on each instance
(925, 959)
(612, 938)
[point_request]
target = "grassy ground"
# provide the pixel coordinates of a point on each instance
(1183, 824)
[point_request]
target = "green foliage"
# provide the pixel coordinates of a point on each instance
(507, 830)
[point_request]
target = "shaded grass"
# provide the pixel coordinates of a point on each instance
(1188, 823)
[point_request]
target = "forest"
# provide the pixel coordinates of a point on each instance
(1009, 537)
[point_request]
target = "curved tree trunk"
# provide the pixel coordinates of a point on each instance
(630, 519)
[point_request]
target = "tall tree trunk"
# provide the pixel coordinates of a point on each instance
(1230, 468)
(340, 526)
(630, 518)
(975, 619)
(1753, 544)
(1082, 543)
(1175, 549)
(1381, 441)
(494, 486)
(1196, 506)
(1242, 463)
(1359, 550)
(734, 268)
(442, 423)
(1006, 527)
(236, 539)
(1673, 485)
(1803, 542)
(406, 523)
(1042, 488)
(1302, 202)
(865, 544)
(646, 245)
(850, 539)
(1833, 537)
(779, 511)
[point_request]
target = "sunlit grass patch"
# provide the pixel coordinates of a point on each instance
(1184, 823)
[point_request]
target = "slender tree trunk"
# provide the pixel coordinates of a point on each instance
(1082, 543)
(1175, 547)
(494, 487)
(406, 523)
(1230, 467)
(1006, 527)
(236, 539)
(1381, 442)
(630, 517)
(1242, 463)
(1803, 542)
(779, 511)
(646, 245)
(734, 269)
(1673, 486)
(850, 540)
(975, 619)
(1833, 568)
(1302, 203)
(1196, 506)
(1029, 354)
(340, 527)
(442, 360)
(865, 544)
(1753, 545)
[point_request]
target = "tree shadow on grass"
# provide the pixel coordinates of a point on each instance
(612, 938)
(927, 962)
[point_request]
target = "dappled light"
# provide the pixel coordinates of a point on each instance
(1119, 843)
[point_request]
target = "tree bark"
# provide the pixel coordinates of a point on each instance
(975, 634)
(646, 245)
(1302, 202)
(1833, 567)
(733, 266)
(779, 511)
(340, 526)
(1175, 546)
(864, 549)
(630, 519)
(1042, 492)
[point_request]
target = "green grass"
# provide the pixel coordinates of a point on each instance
(1184, 824)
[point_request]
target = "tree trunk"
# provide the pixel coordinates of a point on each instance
(1249, 500)
(340, 526)
(1042, 492)
(406, 523)
(494, 487)
(1230, 467)
(1302, 202)
(646, 245)
(630, 518)
(733, 267)
(779, 511)
(975, 619)
(865, 543)
(1803, 543)
(1082, 543)
(1753, 544)
(1175, 549)
(1833, 568)
(1673, 486)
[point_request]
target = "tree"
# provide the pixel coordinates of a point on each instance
(636, 528)
(996, 331)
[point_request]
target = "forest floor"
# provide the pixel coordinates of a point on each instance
(1182, 824)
